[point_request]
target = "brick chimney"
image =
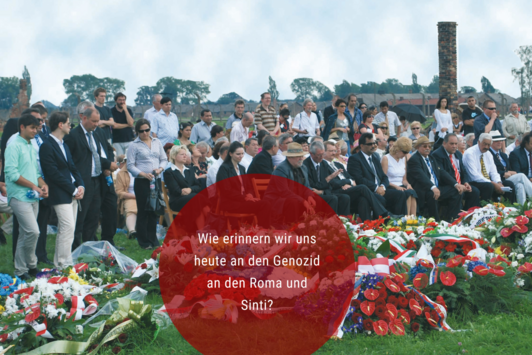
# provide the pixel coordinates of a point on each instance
(447, 61)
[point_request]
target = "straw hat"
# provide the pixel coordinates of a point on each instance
(294, 150)
(497, 136)
(422, 140)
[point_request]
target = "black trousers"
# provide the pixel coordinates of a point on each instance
(89, 215)
(339, 203)
(363, 202)
(42, 221)
(485, 192)
(109, 210)
(393, 200)
(146, 226)
(510, 195)
(448, 195)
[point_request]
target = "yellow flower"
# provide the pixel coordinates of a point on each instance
(2, 309)
(499, 252)
(74, 276)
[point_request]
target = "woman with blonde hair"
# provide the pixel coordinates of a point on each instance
(394, 165)
(416, 131)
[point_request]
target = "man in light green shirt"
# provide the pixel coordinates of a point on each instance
(22, 175)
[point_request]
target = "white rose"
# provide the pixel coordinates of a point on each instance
(514, 263)
(509, 222)
(79, 329)
(520, 256)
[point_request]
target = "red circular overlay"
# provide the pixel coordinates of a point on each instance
(241, 267)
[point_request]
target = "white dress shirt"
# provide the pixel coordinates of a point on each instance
(213, 170)
(302, 121)
(393, 121)
(246, 161)
(278, 158)
(239, 133)
(103, 155)
(150, 113)
(472, 165)
(510, 148)
(341, 175)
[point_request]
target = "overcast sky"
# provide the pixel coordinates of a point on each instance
(235, 45)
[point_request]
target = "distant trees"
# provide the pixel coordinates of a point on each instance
(8, 91)
(81, 88)
(468, 89)
(524, 74)
(229, 98)
(487, 87)
(306, 88)
(273, 89)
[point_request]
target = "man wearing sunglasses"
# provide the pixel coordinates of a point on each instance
(365, 167)
(488, 121)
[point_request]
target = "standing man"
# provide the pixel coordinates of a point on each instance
(331, 109)
(251, 148)
(156, 100)
(450, 159)
(241, 130)
(262, 163)
(366, 169)
(390, 118)
(237, 115)
(523, 186)
(22, 175)
(480, 166)
(201, 132)
(514, 124)
(514, 145)
(432, 183)
(488, 121)
(469, 115)
(265, 116)
(65, 184)
(284, 140)
(123, 127)
(106, 116)
(306, 123)
(165, 124)
(91, 160)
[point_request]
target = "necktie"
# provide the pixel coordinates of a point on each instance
(483, 167)
(501, 159)
(45, 131)
(374, 171)
(432, 172)
(530, 165)
(318, 171)
(95, 156)
(38, 140)
(456, 173)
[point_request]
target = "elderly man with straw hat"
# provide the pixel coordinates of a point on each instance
(432, 183)
(288, 198)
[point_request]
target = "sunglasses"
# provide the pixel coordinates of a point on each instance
(363, 107)
(415, 127)
(144, 130)
(491, 108)
(405, 152)
(384, 127)
(370, 144)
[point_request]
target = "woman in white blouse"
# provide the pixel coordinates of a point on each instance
(444, 120)
(394, 165)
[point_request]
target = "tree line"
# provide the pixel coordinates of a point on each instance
(81, 87)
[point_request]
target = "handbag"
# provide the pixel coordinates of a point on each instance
(156, 202)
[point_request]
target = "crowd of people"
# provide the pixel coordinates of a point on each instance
(360, 160)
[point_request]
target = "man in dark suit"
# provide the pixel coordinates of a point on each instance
(366, 168)
(91, 163)
(450, 159)
(330, 110)
(363, 201)
(319, 178)
(523, 186)
(65, 184)
(432, 183)
(262, 163)
(521, 157)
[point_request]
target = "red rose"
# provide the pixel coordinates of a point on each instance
(143, 266)
(382, 292)
(380, 309)
(415, 327)
(393, 300)
(403, 302)
(410, 295)
(368, 324)
(356, 304)
(412, 314)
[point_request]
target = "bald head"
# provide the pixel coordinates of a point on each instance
(247, 119)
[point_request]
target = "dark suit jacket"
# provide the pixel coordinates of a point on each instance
(330, 123)
(82, 155)
(175, 181)
(501, 169)
(261, 164)
(359, 169)
(58, 172)
(10, 128)
(337, 182)
(443, 160)
(519, 160)
(322, 184)
(282, 186)
(231, 190)
(328, 111)
(418, 174)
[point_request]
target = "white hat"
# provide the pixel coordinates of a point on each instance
(496, 136)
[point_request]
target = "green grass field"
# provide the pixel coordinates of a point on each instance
(484, 334)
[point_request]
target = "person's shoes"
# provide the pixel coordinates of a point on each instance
(33, 272)
(25, 277)
(46, 262)
(132, 235)
(3, 240)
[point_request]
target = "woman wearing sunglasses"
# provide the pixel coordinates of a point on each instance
(145, 160)
(416, 131)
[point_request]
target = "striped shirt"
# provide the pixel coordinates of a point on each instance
(142, 159)
(268, 118)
